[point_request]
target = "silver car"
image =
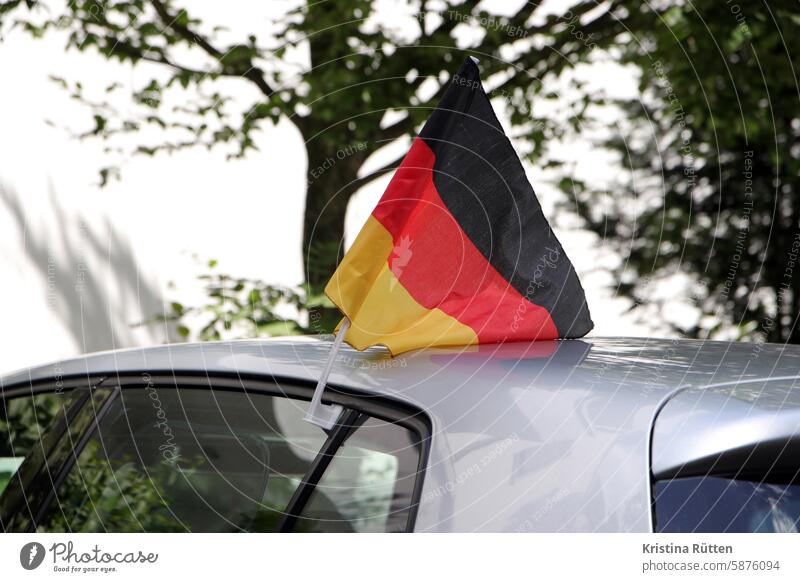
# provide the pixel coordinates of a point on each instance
(614, 435)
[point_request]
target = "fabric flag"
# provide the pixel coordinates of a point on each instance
(457, 251)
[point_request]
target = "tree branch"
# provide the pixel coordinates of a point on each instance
(253, 73)
(171, 21)
(163, 60)
(533, 57)
(524, 13)
(448, 23)
(364, 180)
(407, 125)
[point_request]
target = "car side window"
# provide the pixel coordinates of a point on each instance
(167, 459)
(368, 484)
(23, 422)
(719, 504)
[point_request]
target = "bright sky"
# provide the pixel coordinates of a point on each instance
(80, 264)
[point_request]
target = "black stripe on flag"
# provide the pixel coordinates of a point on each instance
(481, 180)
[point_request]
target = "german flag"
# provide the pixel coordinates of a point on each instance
(457, 251)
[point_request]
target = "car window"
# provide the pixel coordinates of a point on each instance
(369, 483)
(716, 504)
(166, 459)
(23, 422)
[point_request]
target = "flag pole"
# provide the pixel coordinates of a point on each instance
(318, 413)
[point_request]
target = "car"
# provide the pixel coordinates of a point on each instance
(592, 435)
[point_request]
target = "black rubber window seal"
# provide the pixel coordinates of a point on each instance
(348, 421)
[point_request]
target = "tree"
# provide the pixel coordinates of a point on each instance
(362, 87)
(711, 147)
(713, 156)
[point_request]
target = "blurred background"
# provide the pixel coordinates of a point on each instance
(175, 171)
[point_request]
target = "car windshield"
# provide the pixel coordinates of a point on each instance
(716, 504)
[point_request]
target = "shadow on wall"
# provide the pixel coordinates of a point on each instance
(90, 281)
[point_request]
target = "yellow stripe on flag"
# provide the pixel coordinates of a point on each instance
(380, 309)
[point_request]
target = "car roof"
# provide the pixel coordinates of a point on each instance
(558, 432)
(644, 364)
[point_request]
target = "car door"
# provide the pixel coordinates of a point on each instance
(165, 453)
(727, 459)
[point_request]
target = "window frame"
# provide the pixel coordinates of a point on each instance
(345, 425)
(354, 402)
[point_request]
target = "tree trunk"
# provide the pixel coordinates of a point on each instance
(331, 181)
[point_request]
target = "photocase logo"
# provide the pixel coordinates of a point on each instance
(31, 555)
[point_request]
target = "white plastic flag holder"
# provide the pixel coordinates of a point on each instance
(318, 413)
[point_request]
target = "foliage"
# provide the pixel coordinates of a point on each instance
(712, 149)
(100, 498)
(238, 307)
(24, 421)
(348, 81)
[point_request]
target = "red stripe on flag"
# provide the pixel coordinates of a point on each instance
(440, 266)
